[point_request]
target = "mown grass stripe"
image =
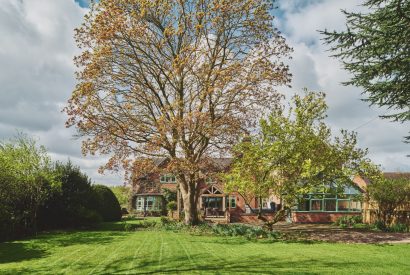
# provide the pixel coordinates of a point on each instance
(131, 267)
(100, 265)
(161, 251)
(178, 238)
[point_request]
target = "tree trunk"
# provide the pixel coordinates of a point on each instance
(190, 200)
(260, 207)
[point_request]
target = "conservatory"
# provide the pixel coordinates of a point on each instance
(327, 206)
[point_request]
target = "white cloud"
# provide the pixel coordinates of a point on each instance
(37, 76)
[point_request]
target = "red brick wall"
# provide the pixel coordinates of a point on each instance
(320, 217)
(251, 218)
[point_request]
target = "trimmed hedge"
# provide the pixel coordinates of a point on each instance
(106, 203)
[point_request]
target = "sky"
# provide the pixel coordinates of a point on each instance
(37, 78)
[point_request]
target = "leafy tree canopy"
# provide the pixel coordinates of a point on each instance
(294, 153)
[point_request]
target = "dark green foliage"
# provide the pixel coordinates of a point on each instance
(169, 195)
(398, 227)
(172, 206)
(106, 204)
(72, 205)
(375, 49)
(248, 231)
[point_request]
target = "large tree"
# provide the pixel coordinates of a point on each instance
(295, 153)
(181, 79)
(375, 48)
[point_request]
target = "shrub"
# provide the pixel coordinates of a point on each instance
(106, 204)
(130, 227)
(172, 206)
(87, 216)
(379, 226)
(398, 227)
(388, 195)
(150, 224)
(169, 195)
(348, 221)
(360, 226)
(70, 206)
(248, 231)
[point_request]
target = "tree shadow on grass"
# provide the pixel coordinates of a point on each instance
(80, 237)
(36, 247)
(228, 265)
(17, 252)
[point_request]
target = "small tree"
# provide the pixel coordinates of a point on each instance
(171, 207)
(294, 153)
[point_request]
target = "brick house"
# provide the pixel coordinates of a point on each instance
(217, 205)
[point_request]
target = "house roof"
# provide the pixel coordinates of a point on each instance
(397, 175)
(221, 163)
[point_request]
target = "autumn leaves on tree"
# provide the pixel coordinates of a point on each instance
(177, 79)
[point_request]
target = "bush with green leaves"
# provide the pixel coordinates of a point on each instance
(348, 221)
(387, 195)
(71, 205)
(106, 204)
(398, 227)
(122, 193)
(26, 180)
(248, 231)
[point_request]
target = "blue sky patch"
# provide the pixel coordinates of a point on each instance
(82, 3)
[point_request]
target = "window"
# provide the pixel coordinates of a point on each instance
(355, 206)
(330, 202)
(140, 204)
(343, 205)
(167, 179)
(230, 202)
(304, 205)
(149, 203)
(265, 203)
(316, 205)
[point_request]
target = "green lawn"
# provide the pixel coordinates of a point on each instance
(105, 251)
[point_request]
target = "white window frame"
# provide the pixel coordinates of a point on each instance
(168, 178)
